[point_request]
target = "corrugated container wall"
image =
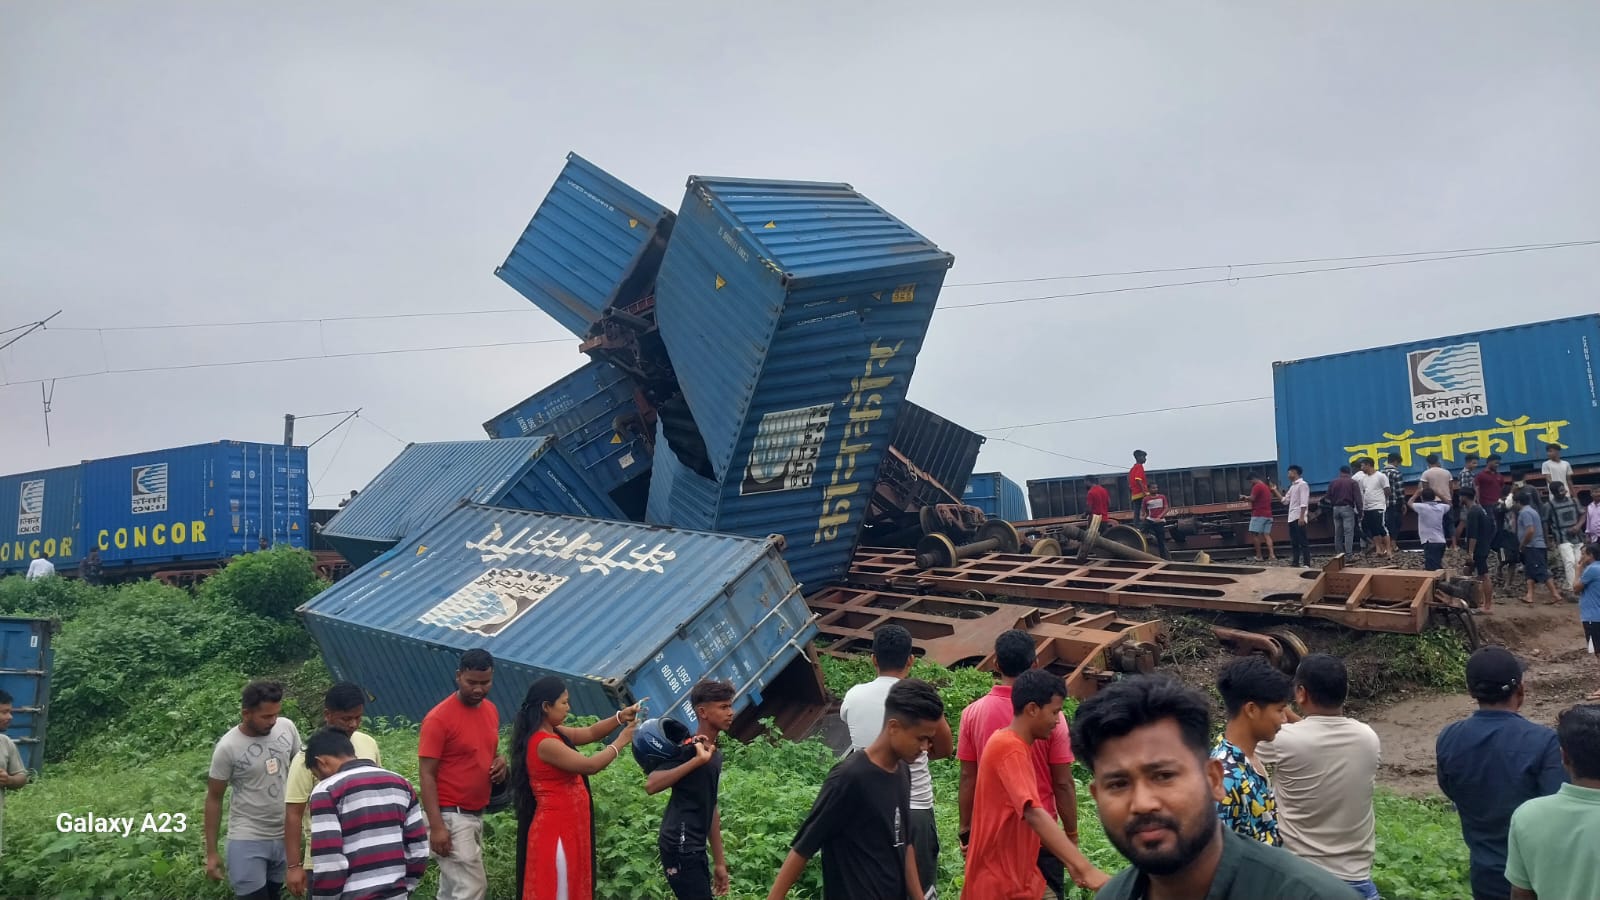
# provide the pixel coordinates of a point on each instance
(198, 503)
(26, 661)
(620, 611)
(426, 481)
(939, 447)
(593, 241)
(1054, 498)
(793, 313)
(595, 418)
(1508, 391)
(41, 514)
(998, 496)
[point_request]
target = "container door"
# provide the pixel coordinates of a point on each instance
(25, 675)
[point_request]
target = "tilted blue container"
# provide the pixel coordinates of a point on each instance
(593, 241)
(793, 313)
(620, 611)
(426, 481)
(998, 496)
(41, 514)
(593, 415)
(26, 661)
(1507, 391)
(200, 503)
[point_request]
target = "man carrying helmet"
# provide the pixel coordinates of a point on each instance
(692, 768)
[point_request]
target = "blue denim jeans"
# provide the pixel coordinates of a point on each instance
(1366, 889)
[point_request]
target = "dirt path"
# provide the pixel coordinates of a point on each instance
(1560, 673)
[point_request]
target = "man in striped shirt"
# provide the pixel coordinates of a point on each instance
(369, 839)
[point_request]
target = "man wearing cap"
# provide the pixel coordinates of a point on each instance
(1491, 762)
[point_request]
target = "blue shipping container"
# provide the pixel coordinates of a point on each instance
(1508, 391)
(620, 611)
(595, 418)
(41, 514)
(998, 496)
(593, 241)
(25, 664)
(426, 481)
(793, 313)
(194, 504)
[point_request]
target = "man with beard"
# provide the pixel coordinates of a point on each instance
(253, 759)
(458, 758)
(1144, 740)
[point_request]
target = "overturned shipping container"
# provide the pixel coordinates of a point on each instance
(592, 242)
(621, 611)
(793, 313)
(197, 504)
(426, 481)
(594, 414)
(1509, 392)
(41, 516)
(26, 661)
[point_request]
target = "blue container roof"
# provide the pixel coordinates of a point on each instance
(817, 231)
(584, 244)
(584, 597)
(426, 480)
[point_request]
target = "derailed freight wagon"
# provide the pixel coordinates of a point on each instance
(620, 611)
(793, 313)
(426, 481)
(1509, 391)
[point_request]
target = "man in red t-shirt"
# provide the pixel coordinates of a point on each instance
(1014, 654)
(1260, 498)
(1138, 485)
(1098, 499)
(458, 757)
(1009, 823)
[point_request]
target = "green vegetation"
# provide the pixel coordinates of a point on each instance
(147, 677)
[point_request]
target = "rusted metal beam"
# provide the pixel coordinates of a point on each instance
(1086, 648)
(1363, 599)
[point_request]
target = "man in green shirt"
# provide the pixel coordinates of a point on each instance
(1144, 740)
(1550, 851)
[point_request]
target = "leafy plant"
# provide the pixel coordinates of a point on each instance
(270, 583)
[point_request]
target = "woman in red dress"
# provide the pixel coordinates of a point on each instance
(551, 780)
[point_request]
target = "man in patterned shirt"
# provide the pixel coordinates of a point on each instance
(1397, 500)
(1256, 697)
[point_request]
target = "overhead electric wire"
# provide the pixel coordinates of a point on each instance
(284, 359)
(1404, 258)
(1237, 278)
(1131, 412)
(1508, 249)
(1092, 462)
(384, 430)
(1278, 262)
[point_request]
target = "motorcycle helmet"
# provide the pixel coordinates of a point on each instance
(661, 742)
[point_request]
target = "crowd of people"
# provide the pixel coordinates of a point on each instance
(1278, 804)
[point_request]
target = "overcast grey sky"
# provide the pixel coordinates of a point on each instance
(188, 162)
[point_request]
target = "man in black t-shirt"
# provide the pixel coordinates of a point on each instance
(1478, 530)
(861, 817)
(693, 819)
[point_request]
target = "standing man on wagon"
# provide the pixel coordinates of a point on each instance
(1138, 484)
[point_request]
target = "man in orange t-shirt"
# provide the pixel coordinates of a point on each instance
(457, 755)
(1138, 484)
(1009, 824)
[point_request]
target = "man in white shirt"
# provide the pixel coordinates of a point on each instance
(1375, 489)
(863, 713)
(1326, 765)
(40, 568)
(1555, 469)
(1298, 499)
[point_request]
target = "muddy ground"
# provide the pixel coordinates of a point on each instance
(1408, 718)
